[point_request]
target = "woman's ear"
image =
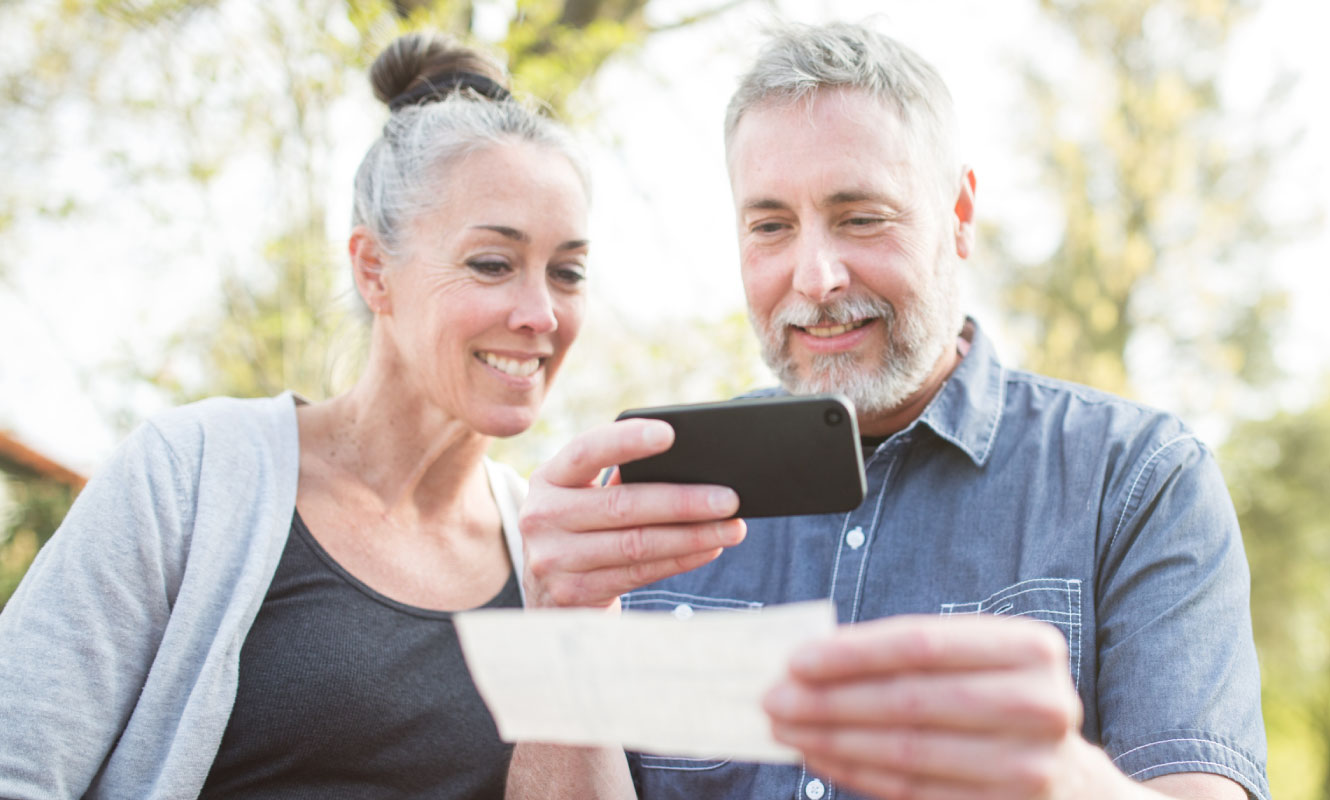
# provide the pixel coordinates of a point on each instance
(965, 214)
(367, 267)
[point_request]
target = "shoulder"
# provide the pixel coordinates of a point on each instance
(242, 437)
(248, 417)
(1085, 417)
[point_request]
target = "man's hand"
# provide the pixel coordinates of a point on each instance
(945, 708)
(585, 544)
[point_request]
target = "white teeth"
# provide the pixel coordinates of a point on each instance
(521, 368)
(828, 331)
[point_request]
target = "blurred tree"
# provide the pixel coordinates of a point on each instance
(36, 507)
(1160, 278)
(1278, 470)
(264, 88)
(220, 121)
(1160, 285)
(35, 492)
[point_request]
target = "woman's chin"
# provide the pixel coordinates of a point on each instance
(502, 423)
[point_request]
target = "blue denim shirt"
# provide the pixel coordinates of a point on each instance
(1018, 495)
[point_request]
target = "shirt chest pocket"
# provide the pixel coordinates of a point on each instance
(1056, 601)
(682, 606)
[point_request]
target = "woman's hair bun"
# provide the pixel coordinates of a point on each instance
(413, 59)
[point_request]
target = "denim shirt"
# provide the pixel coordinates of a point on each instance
(1018, 495)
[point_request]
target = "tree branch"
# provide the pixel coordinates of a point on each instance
(702, 16)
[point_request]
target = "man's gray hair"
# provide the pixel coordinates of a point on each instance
(799, 60)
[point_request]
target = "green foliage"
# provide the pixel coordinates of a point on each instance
(1162, 253)
(35, 508)
(268, 87)
(551, 58)
(1277, 470)
(1161, 222)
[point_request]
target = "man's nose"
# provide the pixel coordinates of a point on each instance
(533, 308)
(819, 272)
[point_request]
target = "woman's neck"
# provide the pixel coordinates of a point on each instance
(407, 453)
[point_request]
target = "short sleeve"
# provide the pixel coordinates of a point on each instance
(1178, 686)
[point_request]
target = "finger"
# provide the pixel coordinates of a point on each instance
(1004, 702)
(976, 762)
(926, 643)
(582, 459)
(625, 506)
(590, 551)
(599, 586)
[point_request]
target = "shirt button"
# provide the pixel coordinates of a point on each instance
(683, 611)
(855, 538)
(814, 789)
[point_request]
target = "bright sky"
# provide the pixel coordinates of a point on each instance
(662, 222)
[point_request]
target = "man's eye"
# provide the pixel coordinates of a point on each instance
(488, 266)
(859, 222)
(768, 227)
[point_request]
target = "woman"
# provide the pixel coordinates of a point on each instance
(252, 598)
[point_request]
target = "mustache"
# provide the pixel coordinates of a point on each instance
(803, 313)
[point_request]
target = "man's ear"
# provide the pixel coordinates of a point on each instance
(965, 214)
(367, 267)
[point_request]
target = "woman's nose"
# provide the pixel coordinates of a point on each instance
(533, 309)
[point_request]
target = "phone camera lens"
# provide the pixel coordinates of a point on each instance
(833, 416)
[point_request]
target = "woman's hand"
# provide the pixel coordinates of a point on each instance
(585, 543)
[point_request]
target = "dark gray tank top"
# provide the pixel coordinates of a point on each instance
(345, 693)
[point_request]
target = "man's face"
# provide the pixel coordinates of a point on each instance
(848, 249)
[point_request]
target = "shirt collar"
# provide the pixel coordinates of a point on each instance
(968, 408)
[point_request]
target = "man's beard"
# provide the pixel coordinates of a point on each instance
(914, 343)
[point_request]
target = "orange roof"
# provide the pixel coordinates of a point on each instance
(12, 451)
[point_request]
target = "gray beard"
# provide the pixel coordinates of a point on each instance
(915, 343)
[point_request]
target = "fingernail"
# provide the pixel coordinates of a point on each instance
(806, 660)
(657, 434)
(782, 700)
(723, 501)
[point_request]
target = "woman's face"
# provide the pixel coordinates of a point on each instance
(488, 293)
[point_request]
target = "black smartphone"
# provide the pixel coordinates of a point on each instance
(783, 455)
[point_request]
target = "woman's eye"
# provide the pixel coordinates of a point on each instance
(568, 275)
(492, 267)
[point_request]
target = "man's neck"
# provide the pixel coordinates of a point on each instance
(899, 418)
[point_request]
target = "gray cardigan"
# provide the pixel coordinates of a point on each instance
(120, 650)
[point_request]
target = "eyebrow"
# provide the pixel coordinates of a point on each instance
(521, 236)
(834, 199)
(765, 204)
(505, 231)
(839, 198)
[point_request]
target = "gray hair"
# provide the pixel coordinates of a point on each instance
(406, 170)
(801, 59)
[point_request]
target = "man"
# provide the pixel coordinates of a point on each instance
(994, 495)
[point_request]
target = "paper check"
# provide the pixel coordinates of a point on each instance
(644, 681)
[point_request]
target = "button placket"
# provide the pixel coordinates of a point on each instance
(858, 530)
